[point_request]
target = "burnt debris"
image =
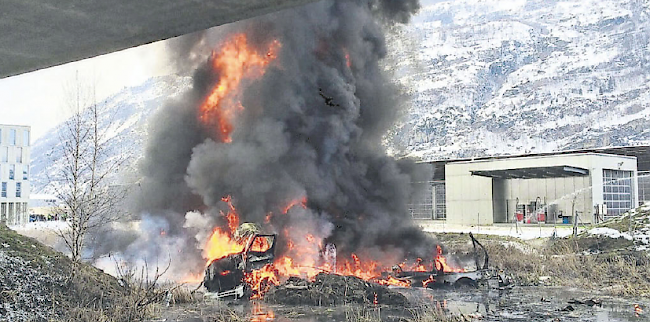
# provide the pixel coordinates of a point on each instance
(332, 289)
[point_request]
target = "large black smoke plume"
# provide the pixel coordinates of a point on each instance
(311, 127)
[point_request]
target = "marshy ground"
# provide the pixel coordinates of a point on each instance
(548, 274)
(552, 278)
(528, 303)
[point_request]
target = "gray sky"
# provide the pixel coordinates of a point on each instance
(38, 98)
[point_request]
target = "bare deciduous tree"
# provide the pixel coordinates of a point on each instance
(82, 180)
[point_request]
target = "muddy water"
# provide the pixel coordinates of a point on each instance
(532, 304)
(518, 304)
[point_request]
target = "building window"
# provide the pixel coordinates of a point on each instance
(12, 137)
(19, 155)
(617, 192)
(644, 187)
(11, 213)
(26, 138)
(421, 207)
(441, 204)
(18, 190)
(5, 154)
(4, 190)
(430, 205)
(25, 172)
(12, 170)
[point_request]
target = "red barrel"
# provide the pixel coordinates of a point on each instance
(520, 216)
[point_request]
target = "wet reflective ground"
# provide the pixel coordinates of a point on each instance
(518, 304)
(533, 304)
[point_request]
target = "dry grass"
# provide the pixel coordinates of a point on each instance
(424, 313)
(140, 297)
(231, 316)
(362, 314)
(127, 310)
(432, 313)
(181, 294)
(60, 290)
(135, 304)
(566, 264)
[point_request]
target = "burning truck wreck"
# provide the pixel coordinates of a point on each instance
(251, 274)
(286, 126)
(226, 276)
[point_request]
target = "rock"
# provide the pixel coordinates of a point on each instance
(593, 302)
(567, 308)
(589, 302)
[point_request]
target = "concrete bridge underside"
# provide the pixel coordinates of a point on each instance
(36, 34)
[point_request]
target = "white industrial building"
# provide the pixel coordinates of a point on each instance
(43, 207)
(550, 188)
(14, 173)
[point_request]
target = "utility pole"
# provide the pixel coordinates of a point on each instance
(538, 202)
(575, 216)
(631, 232)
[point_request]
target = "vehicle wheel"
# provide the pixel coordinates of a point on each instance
(248, 292)
(465, 282)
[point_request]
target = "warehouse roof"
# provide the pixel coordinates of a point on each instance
(533, 172)
(642, 153)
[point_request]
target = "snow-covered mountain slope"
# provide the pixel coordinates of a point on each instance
(124, 116)
(493, 77)
(483, 77)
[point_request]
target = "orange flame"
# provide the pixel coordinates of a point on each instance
(193, 279)
(219, 245)
(232, 217)
(235, 61)
(261, 314)
(416, 267)
(261, 280)
(365, 270)
(303, 257)
(441, 263)
(302, 202)
(390, 280)
(429, 280)
(260, 245)
(305, 269)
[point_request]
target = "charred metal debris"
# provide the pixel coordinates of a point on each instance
(225, 277)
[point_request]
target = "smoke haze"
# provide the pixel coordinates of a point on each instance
(311, 127)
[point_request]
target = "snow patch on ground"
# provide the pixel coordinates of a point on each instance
(55, 225)
(609, 232)
(524, 232)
